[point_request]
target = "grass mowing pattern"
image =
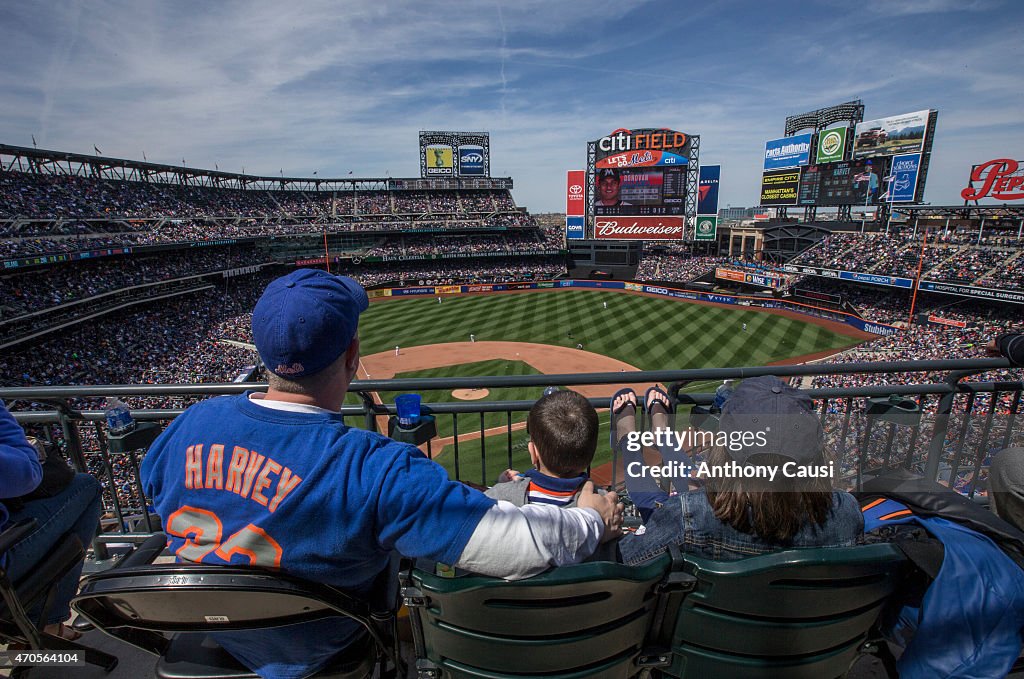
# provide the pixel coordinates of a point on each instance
(471, 422)
(649, 333)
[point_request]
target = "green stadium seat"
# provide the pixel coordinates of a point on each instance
(587, 620)
(794, 614)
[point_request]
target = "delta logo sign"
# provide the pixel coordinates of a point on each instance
(1000, 179)
(639, 228)
(623, 140)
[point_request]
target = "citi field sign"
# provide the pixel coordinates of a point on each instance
(625, 141)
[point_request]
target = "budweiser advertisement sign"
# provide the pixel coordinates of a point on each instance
(1001, 179)
(639, 228)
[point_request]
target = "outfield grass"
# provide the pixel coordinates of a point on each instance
(471, 423)
(649, 333)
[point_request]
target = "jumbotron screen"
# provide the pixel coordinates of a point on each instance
(640, 191)
(848, 182)
(641, 172)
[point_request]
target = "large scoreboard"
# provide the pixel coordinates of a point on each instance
(454, 154)
(874, 162)
(646, 173)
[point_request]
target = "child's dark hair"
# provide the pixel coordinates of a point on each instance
(563, 427)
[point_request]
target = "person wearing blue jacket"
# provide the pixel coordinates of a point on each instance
(969, 621)
(75, 508)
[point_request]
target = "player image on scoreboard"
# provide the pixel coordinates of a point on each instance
(646, 191)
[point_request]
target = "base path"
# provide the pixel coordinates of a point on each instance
(544, 358)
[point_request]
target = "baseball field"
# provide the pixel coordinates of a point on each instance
(541, 332)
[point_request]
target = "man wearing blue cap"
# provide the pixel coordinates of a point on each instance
(279, 480)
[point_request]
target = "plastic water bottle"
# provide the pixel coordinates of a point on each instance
(119, 418)
(722, 394)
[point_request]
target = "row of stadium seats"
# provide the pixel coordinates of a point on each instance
(40, 196)
(104, 234)
(995, 261)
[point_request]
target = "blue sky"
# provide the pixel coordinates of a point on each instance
(337, 86)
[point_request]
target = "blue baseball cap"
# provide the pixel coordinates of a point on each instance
(785, 415)
(304, 321)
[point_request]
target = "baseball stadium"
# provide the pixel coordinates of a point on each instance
(130, 300)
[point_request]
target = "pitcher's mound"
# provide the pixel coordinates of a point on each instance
(470, 394)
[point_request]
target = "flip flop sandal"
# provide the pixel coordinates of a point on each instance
(611, 406)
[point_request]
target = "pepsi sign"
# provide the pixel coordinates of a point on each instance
(471, 160)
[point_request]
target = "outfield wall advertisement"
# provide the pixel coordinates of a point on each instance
(714, 298)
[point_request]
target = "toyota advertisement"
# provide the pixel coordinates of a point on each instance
(575, 194)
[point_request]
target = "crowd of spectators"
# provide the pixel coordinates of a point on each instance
(418, 245)
(69, 197)
(956, 257)
(50, 214)
(450, 272)
(677, 267)
(37, 289)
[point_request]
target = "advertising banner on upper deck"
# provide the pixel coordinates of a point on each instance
(575, 228)
(707, 228)
(794, 151)
(890, 136)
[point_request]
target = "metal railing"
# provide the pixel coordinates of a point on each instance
(958, 425)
